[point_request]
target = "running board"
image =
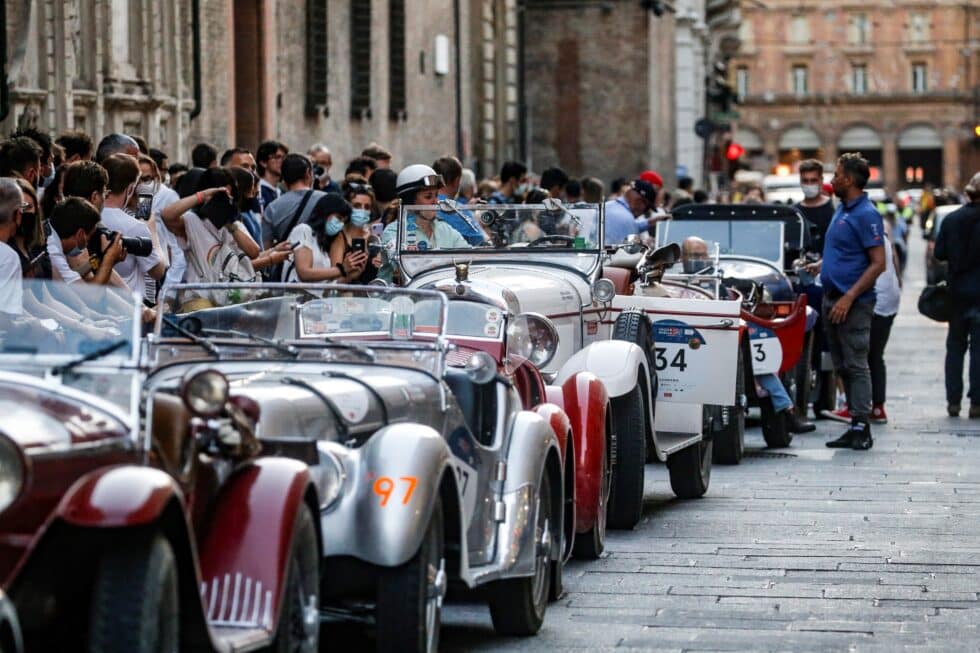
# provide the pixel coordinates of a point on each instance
(671, 442)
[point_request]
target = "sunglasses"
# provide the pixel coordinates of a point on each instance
(359, 188)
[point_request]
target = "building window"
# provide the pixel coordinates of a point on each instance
(742, 82)
(360, 58)
(918, 78)
(396, 59)
(316, 55)
(859, 79)
(799, 30)
(859, 30)
(918, 28)
(800, 80)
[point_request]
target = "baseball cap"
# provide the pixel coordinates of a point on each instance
(652, 177)
(646, 190)
(827, 188)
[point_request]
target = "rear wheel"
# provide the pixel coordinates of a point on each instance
(409, 601)
(299, 619)
(690, 468)
(629, 456)
(518, 605)
(775, 430)
(729, 436)
(135, 600)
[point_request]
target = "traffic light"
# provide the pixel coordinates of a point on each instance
(734, 151)
(722, 95)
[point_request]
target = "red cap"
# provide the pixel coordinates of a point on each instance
(827, 188)
(652, 177)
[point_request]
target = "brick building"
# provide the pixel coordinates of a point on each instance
(898, 80)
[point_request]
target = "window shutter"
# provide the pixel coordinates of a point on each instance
(396, 60)
(316, 56)
(360, 59)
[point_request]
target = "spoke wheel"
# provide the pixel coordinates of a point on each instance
(299, 618)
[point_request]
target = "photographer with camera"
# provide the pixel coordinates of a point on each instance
(144, 254)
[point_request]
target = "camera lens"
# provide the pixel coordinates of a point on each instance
(138, 246)
(318, 171)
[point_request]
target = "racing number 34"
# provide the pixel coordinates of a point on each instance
(678, 360)
(384, 487)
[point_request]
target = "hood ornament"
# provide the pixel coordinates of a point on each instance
(462, 270)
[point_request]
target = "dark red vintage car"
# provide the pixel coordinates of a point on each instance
(135, 514)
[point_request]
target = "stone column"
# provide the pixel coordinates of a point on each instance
(951, 161)
(889, 161)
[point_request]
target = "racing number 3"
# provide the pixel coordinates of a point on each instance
(760, 354)
(385, 486)
(677, 362)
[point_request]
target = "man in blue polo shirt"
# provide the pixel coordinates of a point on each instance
(627, 214)
(853, 257)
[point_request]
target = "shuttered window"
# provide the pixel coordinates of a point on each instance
(316, 56)
(360, 58)
(396, 59)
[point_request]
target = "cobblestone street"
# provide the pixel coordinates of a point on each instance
(807, 549)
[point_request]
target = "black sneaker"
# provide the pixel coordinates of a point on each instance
(845, 441)
(861, 440)
(797, 424)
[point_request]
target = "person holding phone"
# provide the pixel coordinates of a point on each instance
(312, 242)
(357, 234)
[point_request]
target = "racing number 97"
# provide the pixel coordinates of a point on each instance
(678, 360)
(384, 487)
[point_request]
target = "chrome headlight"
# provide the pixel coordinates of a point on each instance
(532, 337)
(331, 478)
(603, 291)
(11, 472)
(205, 392)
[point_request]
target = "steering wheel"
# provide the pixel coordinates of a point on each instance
(554, 238)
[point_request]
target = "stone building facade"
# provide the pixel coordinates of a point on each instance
(898, 80)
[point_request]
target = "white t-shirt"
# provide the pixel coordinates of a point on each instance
(888, 293)
(11, 281)
(202, 237)
(59, 262)
(135, 268)
(178, 264)
(303, 234)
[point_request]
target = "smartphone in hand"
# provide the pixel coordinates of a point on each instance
(358, 245)
(144, 202)
(377, 230)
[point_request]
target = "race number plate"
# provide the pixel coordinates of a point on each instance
(765, 350)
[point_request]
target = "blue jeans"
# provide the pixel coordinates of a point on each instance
(777, 392)
(963, 334)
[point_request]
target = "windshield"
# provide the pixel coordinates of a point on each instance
(425, 236)
(81, 335)
(758, 238)
(302, 321)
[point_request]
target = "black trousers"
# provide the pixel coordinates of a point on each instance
(881, 328)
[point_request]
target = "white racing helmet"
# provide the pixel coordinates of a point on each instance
(415, 178)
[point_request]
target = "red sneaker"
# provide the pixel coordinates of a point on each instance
(878, 415)
(841, 415)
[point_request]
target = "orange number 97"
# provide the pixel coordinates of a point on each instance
(385, 486)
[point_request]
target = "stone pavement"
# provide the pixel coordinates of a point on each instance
(807, 549)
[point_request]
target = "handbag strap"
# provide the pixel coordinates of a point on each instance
(297, 215)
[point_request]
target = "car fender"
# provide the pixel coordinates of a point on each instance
(244, 557)
(390, 487)
(617, 363)
(555, 415)
(585, 402)
(126, 495)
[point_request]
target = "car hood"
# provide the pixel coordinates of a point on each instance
(40, 418)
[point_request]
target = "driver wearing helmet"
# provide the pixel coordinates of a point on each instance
(419, 185)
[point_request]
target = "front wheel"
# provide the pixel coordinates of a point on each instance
(299, 617)
(629, 456)
(409, 601)
(135, 599)
(517, 605)
(775, 429)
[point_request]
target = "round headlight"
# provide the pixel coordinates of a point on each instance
(331, 478)
(205, 392)
(533, 337)
(603, 291)
(11, 472)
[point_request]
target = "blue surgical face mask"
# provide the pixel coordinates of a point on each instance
(333, 226)
(360, 217)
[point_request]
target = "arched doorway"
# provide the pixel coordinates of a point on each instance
(798, 143)
(920, 156)
(863, 139)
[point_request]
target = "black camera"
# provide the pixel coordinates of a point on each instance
(318, 171)
(134, 245)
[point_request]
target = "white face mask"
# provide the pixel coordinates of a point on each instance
(810, 190)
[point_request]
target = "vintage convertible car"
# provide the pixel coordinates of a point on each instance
(137, 517)
(547, 259)
(756, 245)
(429, 466)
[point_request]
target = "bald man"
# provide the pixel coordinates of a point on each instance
(694, 255)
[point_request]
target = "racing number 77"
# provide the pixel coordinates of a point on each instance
(385, 486)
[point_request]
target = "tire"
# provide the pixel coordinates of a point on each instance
(409, 601)
(775, 430)
(633, 326)
(135, 606)
(299, 615)
(729, 435)
(518, 605)
(629, 459)
(690, 469)
(592, 543)
(826, 393)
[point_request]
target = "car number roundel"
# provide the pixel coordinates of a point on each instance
(766, 352)
(678, 356)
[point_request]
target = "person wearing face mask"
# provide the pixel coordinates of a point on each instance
(28, 239)
(816, 207)
(124, 172)
(513, 184)
(249, 207)
(151, 183)
(314, 240)
(361, 199)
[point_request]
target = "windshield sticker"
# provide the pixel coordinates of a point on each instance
(494, 315)
(491, 330)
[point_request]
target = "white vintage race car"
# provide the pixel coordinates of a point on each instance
(546, 259)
